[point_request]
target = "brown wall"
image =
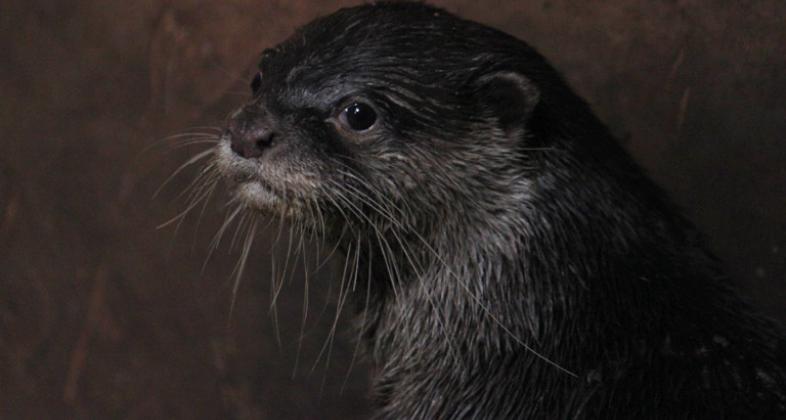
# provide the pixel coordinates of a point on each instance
(104, 316)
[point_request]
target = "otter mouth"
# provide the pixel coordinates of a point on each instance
(244, 179)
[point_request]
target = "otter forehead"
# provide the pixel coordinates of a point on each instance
(406, 50)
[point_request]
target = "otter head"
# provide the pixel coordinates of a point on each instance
(389, 114)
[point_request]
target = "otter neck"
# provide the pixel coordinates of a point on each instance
(454, 294)
(546, 288)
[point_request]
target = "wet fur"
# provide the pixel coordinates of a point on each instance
(510, 258)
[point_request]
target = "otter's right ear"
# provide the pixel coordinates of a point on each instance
(509, 96)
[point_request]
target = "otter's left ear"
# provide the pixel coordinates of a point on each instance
(509, 96)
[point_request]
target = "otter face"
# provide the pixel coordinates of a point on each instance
(381, 113)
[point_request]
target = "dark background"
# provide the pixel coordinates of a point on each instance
(104, 316)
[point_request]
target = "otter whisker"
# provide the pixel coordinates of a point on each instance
(348, 173)
(204, 179)
(330, 254)
(273, 311)
(346, 280)
(321, 225)
(180, 216)
(281, 224)
(481, 305)
(304, 314)
(344, 228)
(280, 283)
(245, 217)
(189, 135)
(362, 325)
(342, 301)
(377, 206)
(389, 260)
(196, 158)
(240, 266)
(220, 233)
(278, 277)
(341, 296)
(299, 253)
(286, 273)
(211, 140)
(464, 287)
(314, 226)
(290, 254)
(164, 140)
(417, 271)
(214, 182)
(491, 314)
(209, 190)
(207, 128)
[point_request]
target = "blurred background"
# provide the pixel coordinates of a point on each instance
(102, 315)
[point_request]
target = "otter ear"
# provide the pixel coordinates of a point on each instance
(509, 96)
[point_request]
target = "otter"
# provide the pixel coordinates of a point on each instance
(511, 260)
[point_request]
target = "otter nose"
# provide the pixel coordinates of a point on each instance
(250, 135)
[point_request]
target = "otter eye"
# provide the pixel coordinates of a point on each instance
(256, 83)
(358, 116)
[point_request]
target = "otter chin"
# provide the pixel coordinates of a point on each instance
(510, 259)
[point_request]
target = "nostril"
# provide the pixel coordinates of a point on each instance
(265, 141)
(237, 148)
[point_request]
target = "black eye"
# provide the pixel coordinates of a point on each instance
(358, 116)
(256, 83)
